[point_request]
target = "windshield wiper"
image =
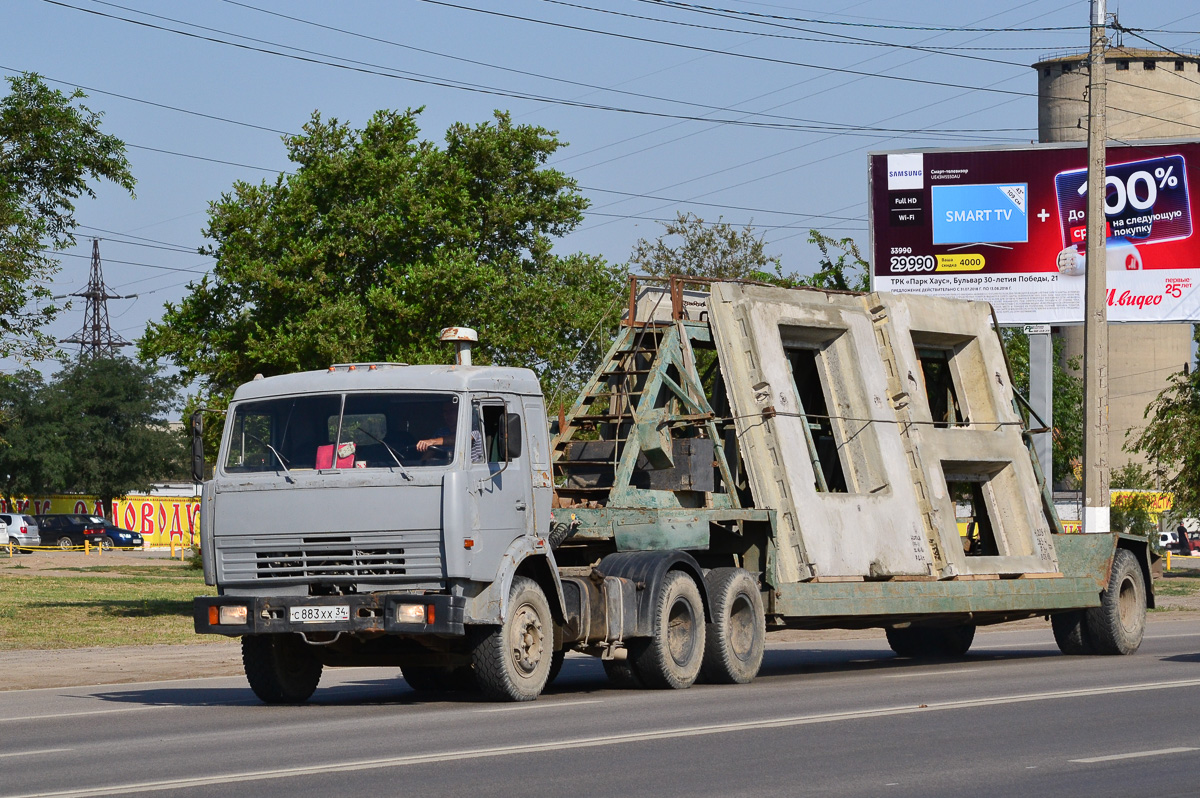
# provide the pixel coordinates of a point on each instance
(403, 471)
(278, 456)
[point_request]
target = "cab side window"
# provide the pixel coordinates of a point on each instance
(495, 443)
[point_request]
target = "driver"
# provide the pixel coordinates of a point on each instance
(445, 434)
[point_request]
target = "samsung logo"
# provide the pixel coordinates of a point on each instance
(905, 171)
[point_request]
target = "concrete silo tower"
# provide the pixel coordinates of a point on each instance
(1151, 95)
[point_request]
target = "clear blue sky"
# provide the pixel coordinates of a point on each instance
(757, 112)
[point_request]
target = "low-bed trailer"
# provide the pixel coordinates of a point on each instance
(745, 458)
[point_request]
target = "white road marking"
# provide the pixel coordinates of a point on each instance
(541, 705)
(35, 753)
(79, 714)
(1133, 755)
(927, 673)
(526, 748)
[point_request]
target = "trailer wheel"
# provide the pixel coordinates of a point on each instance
(512, 661)
(1071, 633)
(280, 668)
(671, 658)
(622, 674)
(1117, 625)
(905, 641)
(735, 640)
(932, 642)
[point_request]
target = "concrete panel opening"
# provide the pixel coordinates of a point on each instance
(940, 389)
(974, 521)
(814, 409)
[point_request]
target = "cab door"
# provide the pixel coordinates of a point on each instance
(499, 472)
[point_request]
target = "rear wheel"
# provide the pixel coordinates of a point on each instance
(735, 639)
(281, 669)
(426, 678)
(1070, 632)
(512, 661)
(672, 657)
(1117, 625)
(622, 674)
(65, 543)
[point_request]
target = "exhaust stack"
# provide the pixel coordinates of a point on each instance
(463, 338)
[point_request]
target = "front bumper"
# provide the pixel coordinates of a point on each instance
(369, 612)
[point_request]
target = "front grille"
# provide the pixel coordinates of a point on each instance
(337, 557)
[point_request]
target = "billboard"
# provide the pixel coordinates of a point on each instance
(1007, 225)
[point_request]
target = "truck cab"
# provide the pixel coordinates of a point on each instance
(376, 510)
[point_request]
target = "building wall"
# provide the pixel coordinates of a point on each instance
(1143, 103)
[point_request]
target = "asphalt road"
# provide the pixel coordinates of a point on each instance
(831, 719)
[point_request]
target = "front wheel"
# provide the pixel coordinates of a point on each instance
(105, 544)
(281, 669)
(512, 661)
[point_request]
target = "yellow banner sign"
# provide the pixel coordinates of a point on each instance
(161, 520)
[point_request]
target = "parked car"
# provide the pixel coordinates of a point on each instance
(122, 538)
(67, 530)
(21, 530)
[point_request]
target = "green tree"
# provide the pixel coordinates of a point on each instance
(849, 271)
(1133, 512)
(377, 241)
(1171, 441)
(1068, 401)
(33, 448)
(691, 247)
(112, 414)
(51, 152)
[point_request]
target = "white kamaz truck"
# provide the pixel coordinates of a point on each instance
(744, 459)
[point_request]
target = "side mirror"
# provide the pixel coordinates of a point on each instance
(198, 446)
(512, 435)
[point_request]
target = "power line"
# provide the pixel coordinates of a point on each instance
(809, 20)
(853, 40)
(152, 103)
(714, 51)
(375, 69)
(132, 263)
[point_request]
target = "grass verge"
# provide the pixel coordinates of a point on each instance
(103, 606)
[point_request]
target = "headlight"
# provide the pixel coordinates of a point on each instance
(414, 613)
(232, 614)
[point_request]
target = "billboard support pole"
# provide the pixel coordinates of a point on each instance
(1095, 358)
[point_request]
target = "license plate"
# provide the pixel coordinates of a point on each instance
(324, 614)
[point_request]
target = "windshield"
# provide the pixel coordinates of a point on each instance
(333, 431)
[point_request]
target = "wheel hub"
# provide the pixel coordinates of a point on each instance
(528, 646)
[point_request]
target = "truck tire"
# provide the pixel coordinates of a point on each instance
(735, 639)
(932, 642)
(1071, 633)
(512, 661)
(672, 657)
(280, 668)
(426, 678)
(1117, 625)
(556, 663)
(622, 674)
